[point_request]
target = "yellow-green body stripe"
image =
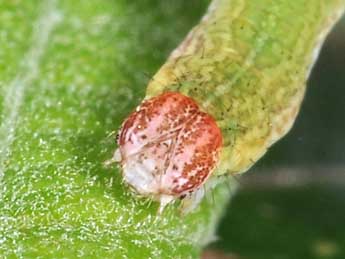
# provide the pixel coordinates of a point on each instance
(247, 64)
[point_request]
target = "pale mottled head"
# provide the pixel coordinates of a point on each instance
(168, 147)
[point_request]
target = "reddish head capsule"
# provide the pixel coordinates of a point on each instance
(168, 147)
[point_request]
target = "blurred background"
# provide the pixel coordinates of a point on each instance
(292, 203)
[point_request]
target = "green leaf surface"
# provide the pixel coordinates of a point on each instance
(70, 71)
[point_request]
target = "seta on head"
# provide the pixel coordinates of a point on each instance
(168, 148)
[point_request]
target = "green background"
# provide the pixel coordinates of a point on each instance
(117, 46)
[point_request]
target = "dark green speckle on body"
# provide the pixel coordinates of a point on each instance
(247, 64)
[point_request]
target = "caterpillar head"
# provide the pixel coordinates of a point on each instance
(168, 147)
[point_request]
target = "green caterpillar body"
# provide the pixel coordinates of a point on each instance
(246, 64)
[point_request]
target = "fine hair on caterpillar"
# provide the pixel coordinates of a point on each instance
(168, 148)
(229, 91)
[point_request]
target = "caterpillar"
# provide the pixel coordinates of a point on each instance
(231, 89)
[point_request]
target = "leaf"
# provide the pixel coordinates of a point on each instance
(70, 71)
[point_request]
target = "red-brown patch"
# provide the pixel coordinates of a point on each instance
(182, 141)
